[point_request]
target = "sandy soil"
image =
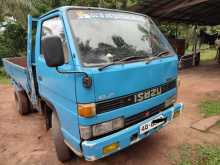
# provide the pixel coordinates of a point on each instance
(24, 140)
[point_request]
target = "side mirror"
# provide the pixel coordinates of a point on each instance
(52, 50)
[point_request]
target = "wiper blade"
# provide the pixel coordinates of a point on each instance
(163, 53)
(133, 58)
(145, 58)
(121, 61)
(156, 56)
(110, 64)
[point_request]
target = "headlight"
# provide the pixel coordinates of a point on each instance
(85, 132)
(117, 123)
(102, 128)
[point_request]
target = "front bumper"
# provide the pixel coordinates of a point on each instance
(93, 150)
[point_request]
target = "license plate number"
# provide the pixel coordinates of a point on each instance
(150, 125)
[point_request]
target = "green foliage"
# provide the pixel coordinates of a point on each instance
(208, 155)
(169, 29)
(185, 154)
(14, 36)
(180, 31)
(3, 49)
(197, 155)
(210, 107)
(12, 40)
(208, 54)
(2, 72)
(3, 77)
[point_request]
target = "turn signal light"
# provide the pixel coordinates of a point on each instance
(110, 148)
(86, 110)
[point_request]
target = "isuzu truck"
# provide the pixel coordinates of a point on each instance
(104, 79)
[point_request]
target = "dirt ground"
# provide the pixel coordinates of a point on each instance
(24, 140)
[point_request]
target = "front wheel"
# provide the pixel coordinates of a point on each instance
(63, 152)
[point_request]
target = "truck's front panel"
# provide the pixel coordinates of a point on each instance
(132, 76)
(96, 149)
(126, 103)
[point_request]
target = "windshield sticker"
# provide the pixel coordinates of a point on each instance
(108, 15)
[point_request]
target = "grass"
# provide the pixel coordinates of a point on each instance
(197, 155)
(208, 155)
(3, 77)
(182, 156)
(4, 80)
(210, 108)
(218, 123)
(206, 53)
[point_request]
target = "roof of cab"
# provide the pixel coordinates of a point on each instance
(64, 8)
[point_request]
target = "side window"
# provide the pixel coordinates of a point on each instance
(54, 26)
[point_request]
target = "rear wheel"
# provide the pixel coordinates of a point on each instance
(63, 152)
(22, 103)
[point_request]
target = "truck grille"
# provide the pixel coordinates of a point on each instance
(137, 118)
(144, 115)
(109, 105)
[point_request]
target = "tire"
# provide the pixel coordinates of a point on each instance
(22, 103)
(63, 152)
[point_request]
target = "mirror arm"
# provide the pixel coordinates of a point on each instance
(69, 72)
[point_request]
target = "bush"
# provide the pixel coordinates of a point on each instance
(12, 40)
(2, 72)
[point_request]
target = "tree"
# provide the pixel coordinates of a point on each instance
(13, 40)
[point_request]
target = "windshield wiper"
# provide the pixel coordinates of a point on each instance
(163, 53)
(156, 56)
(121, 61)
(131, 58)
(110, 64)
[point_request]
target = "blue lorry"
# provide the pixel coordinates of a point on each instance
(104, 79)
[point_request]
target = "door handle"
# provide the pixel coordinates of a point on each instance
(40, 78)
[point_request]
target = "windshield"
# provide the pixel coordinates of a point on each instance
(105, 36)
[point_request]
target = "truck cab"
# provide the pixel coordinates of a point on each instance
(104, 79)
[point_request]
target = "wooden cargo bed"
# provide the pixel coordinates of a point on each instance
(21, 61)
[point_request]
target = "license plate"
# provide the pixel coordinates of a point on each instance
(151, 124)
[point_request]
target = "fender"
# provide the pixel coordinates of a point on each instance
(47, 110)
(48, 121)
